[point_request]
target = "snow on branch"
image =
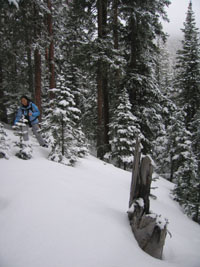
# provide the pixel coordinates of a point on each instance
(15, 2)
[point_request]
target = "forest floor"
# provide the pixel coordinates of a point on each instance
(53, 215)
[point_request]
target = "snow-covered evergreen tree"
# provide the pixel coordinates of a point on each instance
(164, 72)
(89, 116)
(179, 143)
(187, 187)
(74, 32)
(187, 89)
(124, 129)
(187, 80)
(195, 125)
(65, 137)
(25, 148)
(183, 165)
(141, 30)
(4, 145)
(18, 41)
(188, 183)
(161, 143)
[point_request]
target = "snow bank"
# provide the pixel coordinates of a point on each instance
(53, 215)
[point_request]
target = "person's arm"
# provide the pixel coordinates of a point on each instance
(35, 111)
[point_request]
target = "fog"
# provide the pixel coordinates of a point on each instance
(177, 16)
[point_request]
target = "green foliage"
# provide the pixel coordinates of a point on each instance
(21, 30)
(184, 130)
(187, 80)
(124, 129)
(63, 121)
(141, 99)
(141, 29)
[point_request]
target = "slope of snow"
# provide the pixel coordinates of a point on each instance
(52, 215)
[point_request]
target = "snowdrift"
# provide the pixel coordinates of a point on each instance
(52, 215)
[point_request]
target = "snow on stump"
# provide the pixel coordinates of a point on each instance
(149, 229)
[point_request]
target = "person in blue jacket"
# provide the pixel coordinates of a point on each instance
(31, 113)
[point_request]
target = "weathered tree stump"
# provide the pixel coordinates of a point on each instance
(149, 229)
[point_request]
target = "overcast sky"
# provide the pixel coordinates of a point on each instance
(177, 15)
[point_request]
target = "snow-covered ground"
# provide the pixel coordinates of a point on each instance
(52, 215)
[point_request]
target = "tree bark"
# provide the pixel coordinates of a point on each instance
(30, 69)
(102, 86)
(134, 192)
(133, 55)
(116, 43)
(146, 171)
(149, 229)
(3, 114)
(52, 83)
(100, 111)
(115, 24)
(37, 58)
(28, 41)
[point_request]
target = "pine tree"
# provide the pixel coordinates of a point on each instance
(187, 80)
(164, 77)
(195, 125)
(164, 71)
(18, 41)
(142, 29)
(4, 145)
(187, 88)
(178, 140)
(25, 148)
(162, 142)
(67, 139)
(187, 181)
(74, 30)
(10, 54)
(123, 133)
(183, 165)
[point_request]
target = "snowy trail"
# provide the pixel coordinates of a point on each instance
(52, 215)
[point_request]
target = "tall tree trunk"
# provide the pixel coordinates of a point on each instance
(3, 114)
(52, 83)
(28, 42)
(115, 24)
(116, 41)
(106, 109)
(37, 59)
(30, 69)
(100, 130)
(171, 168)
(102, 86)
(133, 54)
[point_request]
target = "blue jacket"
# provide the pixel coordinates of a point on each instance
(25, 111)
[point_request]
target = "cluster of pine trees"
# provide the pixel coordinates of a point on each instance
(98, 72)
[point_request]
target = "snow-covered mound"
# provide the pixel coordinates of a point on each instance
(53, 215)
